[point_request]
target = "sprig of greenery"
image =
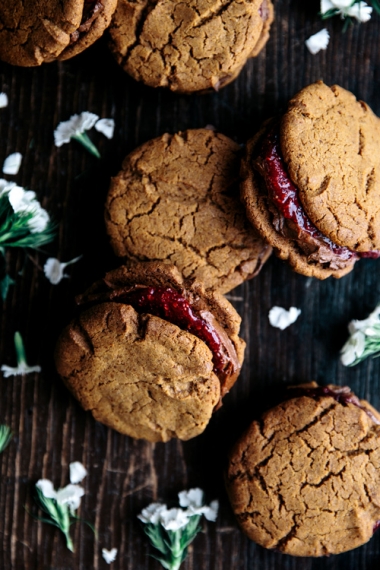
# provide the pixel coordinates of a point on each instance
(371, 345)
(5, 283)
(5, 437)
(171, 544)
(59, 515)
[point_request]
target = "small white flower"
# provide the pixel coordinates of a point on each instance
(77, 472)
(76, 125)
(54, 269)
(71, 496)
(360, 10)
(281, 318)
(12, 163)
(151, 514)
(353, 348)
(318, 41)
(191, 498)
(47, 488)
(3, 100)
(109, 555)
(24, 201)
(19, 370)
(106, 127)
(373, 319)
(174, 519)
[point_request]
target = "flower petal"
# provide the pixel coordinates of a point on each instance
(151, 514)
(12, 163)
(3, 100)
(47, 488)
(77, 472)
(281, 318)
(76, 125)
(326, 5)
(193, 498)
(53, 270)
(70, 495)
(106, 127)
(318, 41)
(174, 519)
(109, 555)
(19, 370)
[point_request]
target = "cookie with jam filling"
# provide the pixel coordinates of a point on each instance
(305, 479)
(311, 182)
(188, 46)
(32, 33)
(150, 354)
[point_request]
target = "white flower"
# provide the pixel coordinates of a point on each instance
(75, 126)
(318, 41)
(24, 201)
(19, 370)
(106, 127)
(360, 10)
(54, 269)
(366, 324)
(174, 519)
(151, 514)
(12, 163)
(109, 555)
(281, 318)
(353, 348)
(3, 100)
(71, 496)
(191, 498)
(77, 472)
(47, 488)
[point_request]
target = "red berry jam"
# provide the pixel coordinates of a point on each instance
(376, 527)
(284, 195)
(173, 307)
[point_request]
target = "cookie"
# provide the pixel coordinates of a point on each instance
(150, 354)
(305, 478)
(33, 33)
(188, 46)
(176, 199)
(311, 182)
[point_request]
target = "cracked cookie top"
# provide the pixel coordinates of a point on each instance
(139, 373)
(331, 146)
(305, 479)
(32, 33)
(176, 199)
(188, 46)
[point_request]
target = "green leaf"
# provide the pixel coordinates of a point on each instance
(329, 14)
(5, 283)
(85, 141)
(5, 437)
(59, 515)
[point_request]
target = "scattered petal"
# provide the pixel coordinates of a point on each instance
(77, 472)
(281, 318)
(12, 163)
(106, 127)
(151, 514)
(54, 269)
(174, 519)
(191, 498)
(47, 488)
(76, 125)
(3, 100)
(109, 555)
(318, 41)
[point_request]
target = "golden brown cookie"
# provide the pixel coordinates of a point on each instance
(176, 199)
(32, 32)
(311, 182)
(188, 46)
(150, 354)
(305, 479)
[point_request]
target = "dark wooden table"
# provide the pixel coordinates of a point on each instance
(51, 430)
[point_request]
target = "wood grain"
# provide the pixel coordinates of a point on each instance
(51, 430)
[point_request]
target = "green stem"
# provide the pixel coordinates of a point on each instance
(69, 542)
(85, 141)
(20, 350)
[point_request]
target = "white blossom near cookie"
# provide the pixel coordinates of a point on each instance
(170, 531)
(5, 437)
(75, 128)
(3, 100)
(109, 555)
(364, 339)
(77, 472)
(54, 269)
(318, 41)
(60, 505)
(22, 365)
(106, 127)
(348, 9)
(23, 221)
(281, 318)
(12, 163)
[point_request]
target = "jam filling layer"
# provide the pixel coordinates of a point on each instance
(170, 305)
(284, 195)
(342, 395)
(91, 10)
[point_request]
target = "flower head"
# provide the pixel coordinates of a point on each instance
(346, 9)
(25, 202)
(318, 41)
(54, 269)
(174, 519)
(12, 163)
(109, 555)
(106, 127)
(152, 513)
(22, 365)
(77, 472)
(364, 339)
(281, 318)
(75, 129)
